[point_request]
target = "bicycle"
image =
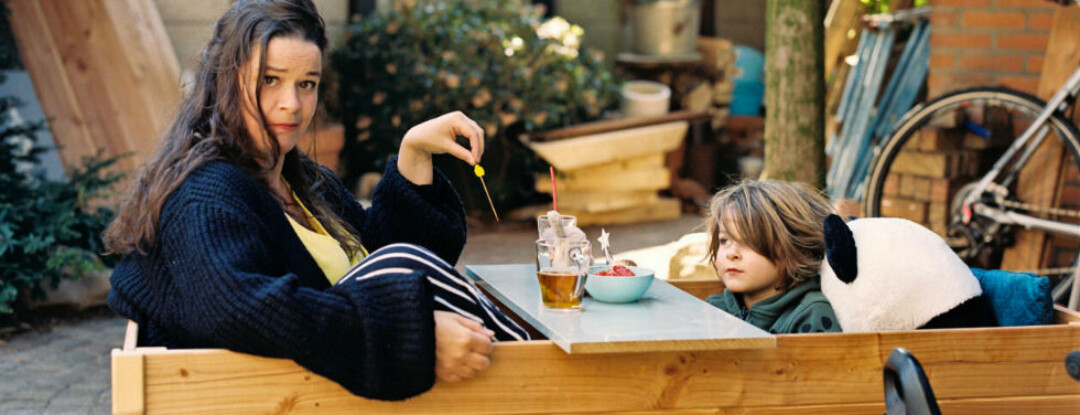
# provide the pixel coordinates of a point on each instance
(981, 205)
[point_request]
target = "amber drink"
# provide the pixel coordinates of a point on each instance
(561, 267)
(561, 288)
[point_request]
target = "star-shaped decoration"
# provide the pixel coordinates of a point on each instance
(605, 245)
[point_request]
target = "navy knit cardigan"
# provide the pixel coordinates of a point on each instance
(228, 271)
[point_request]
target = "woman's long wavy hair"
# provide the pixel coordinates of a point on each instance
(781, 221)
(210, 126)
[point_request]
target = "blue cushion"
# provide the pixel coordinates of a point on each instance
(1018, 299)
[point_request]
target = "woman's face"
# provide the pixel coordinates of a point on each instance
(289, 91)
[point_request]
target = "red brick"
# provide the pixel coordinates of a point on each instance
(1035, 64)
(942, 61)
(941, 18)
(944, 81)
(941, 190)
(992, 20)
(937, 217)
(959, 40)
(1023, 41)
(891, 187)
(1027, 4)
(938, 139)
(995, 63)
(1029, 84)
(1040, 20)
(915, 187)
(960, 3)
(903, 208)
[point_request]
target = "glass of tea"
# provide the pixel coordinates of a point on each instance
(561, 267)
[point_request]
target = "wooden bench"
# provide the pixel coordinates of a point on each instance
(972, 371)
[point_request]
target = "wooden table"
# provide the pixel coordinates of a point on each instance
(664, 319)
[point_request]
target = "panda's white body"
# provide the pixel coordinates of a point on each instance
(907, 275)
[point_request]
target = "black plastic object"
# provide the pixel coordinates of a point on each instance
(1072, 364)
(907, 390)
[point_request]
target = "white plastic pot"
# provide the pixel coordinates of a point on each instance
(645, 98)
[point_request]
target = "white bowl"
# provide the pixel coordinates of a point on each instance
(611, 289)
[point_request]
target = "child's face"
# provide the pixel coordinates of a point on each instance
(744, 271)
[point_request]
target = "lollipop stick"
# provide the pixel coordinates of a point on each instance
(479, 171)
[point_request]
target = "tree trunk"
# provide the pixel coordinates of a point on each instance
(794, 91)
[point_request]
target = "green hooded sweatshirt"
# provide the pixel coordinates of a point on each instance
(802, 309)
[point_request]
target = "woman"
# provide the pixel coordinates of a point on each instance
(233, 238)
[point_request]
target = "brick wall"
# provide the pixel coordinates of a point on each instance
(988, 42)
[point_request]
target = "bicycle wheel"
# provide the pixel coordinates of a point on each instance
(940, 149)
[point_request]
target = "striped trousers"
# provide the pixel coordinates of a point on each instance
(453, 291)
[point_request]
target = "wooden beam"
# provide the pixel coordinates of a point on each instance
(1034, 185)
(105, 73)
(128, 393)
(599, 127)
(611, 146)
(971, 369)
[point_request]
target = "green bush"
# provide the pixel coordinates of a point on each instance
(47, 229)
(495, 60)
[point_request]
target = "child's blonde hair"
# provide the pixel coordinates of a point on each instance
(780, 221)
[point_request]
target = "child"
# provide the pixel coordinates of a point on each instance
(766, 242)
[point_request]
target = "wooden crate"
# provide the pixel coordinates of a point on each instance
(615, 176)
(972, 371)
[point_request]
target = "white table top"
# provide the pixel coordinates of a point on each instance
(664, 319)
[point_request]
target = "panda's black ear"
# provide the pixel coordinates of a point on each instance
(840, 249)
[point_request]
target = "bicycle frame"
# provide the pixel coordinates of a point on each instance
(1035, 133)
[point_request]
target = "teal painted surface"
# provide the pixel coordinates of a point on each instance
(665, 314)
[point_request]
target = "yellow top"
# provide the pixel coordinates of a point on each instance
(326, 250)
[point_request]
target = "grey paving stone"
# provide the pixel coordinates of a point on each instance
(65, 410)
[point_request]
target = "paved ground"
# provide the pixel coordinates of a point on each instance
(66, 370)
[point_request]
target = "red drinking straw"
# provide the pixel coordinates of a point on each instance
(554, 197)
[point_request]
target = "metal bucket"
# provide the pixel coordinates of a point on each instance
(666, 27)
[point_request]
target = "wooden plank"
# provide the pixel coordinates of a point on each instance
(1064, 315)
(39, 51)
(841, 26)
(617, 179)
(611, 146)
(603, 201)
(128, 397)
(664, 209)
(131, 336)
(600, 127)
(105, 73)
(1034, 185)
(642, 162)
(974, 370)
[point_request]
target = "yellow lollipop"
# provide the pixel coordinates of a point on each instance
(479, 171)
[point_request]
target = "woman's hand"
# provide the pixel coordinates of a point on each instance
(438, 136)
(462, 347)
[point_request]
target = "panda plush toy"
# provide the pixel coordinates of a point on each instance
(894, 274)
